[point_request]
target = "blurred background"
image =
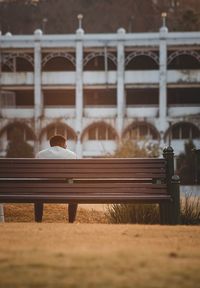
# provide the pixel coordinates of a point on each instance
(117, 78)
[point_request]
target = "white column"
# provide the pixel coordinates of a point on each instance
(79, 88)
(120, 81)
(38, 99)
(163, 79)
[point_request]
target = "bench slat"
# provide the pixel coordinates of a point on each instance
(83, 161)
(81, 170)
(84, 168)
(36, 184)
(84, 198)
(105, 174)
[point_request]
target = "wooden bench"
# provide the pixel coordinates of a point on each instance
(109, 180)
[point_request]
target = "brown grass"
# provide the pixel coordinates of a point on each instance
(53, 213)
(98, 255)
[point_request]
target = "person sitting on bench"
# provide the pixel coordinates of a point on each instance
(58, 149)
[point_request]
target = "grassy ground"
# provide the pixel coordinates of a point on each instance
(54, 213)
(97, 255)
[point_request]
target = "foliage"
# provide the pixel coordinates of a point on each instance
(133, 213)
(149, 214)
(24, 16)
(17, 147)
(188, 21)
(186, 167)
(190, 210)
(130, 149)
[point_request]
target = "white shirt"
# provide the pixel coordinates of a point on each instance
(56, 152)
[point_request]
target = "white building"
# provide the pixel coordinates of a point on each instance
(97, 89)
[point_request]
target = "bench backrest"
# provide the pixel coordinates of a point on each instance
(146, 168)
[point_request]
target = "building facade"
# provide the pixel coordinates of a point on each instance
(98, 89)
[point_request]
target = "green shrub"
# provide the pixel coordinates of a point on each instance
(17, 147)
(186, 167)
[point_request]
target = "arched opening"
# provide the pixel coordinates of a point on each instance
(28, 134)
(99, 131)
(99, 139)
(135, 61)
(7, 67)
(183, 60)
(182, 131)
(18, 63)
(141, 131)
(98, 62)
(58, 63)
(23, 65)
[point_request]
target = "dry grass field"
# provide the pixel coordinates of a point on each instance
(97, 255)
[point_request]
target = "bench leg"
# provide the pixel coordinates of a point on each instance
(175, 206)
(38, 211)
(164, 213)
(72, 209)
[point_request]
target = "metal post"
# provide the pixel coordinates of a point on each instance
(168, 154)
(164, 16)
(44, 22)
(175, 205)
(196, 160)
(80, 19)
(170, 134)
(173, 186)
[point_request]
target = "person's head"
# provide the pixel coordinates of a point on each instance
(58, 140)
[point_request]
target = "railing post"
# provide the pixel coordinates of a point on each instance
(168, 154)
(173, 186)
(175, 191)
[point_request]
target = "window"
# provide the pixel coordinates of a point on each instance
(7, 99)
(184, 131)
(100, 97)
(26, 133)
(61, 129)
(101, 132)
(142, 96)
(141, 132)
